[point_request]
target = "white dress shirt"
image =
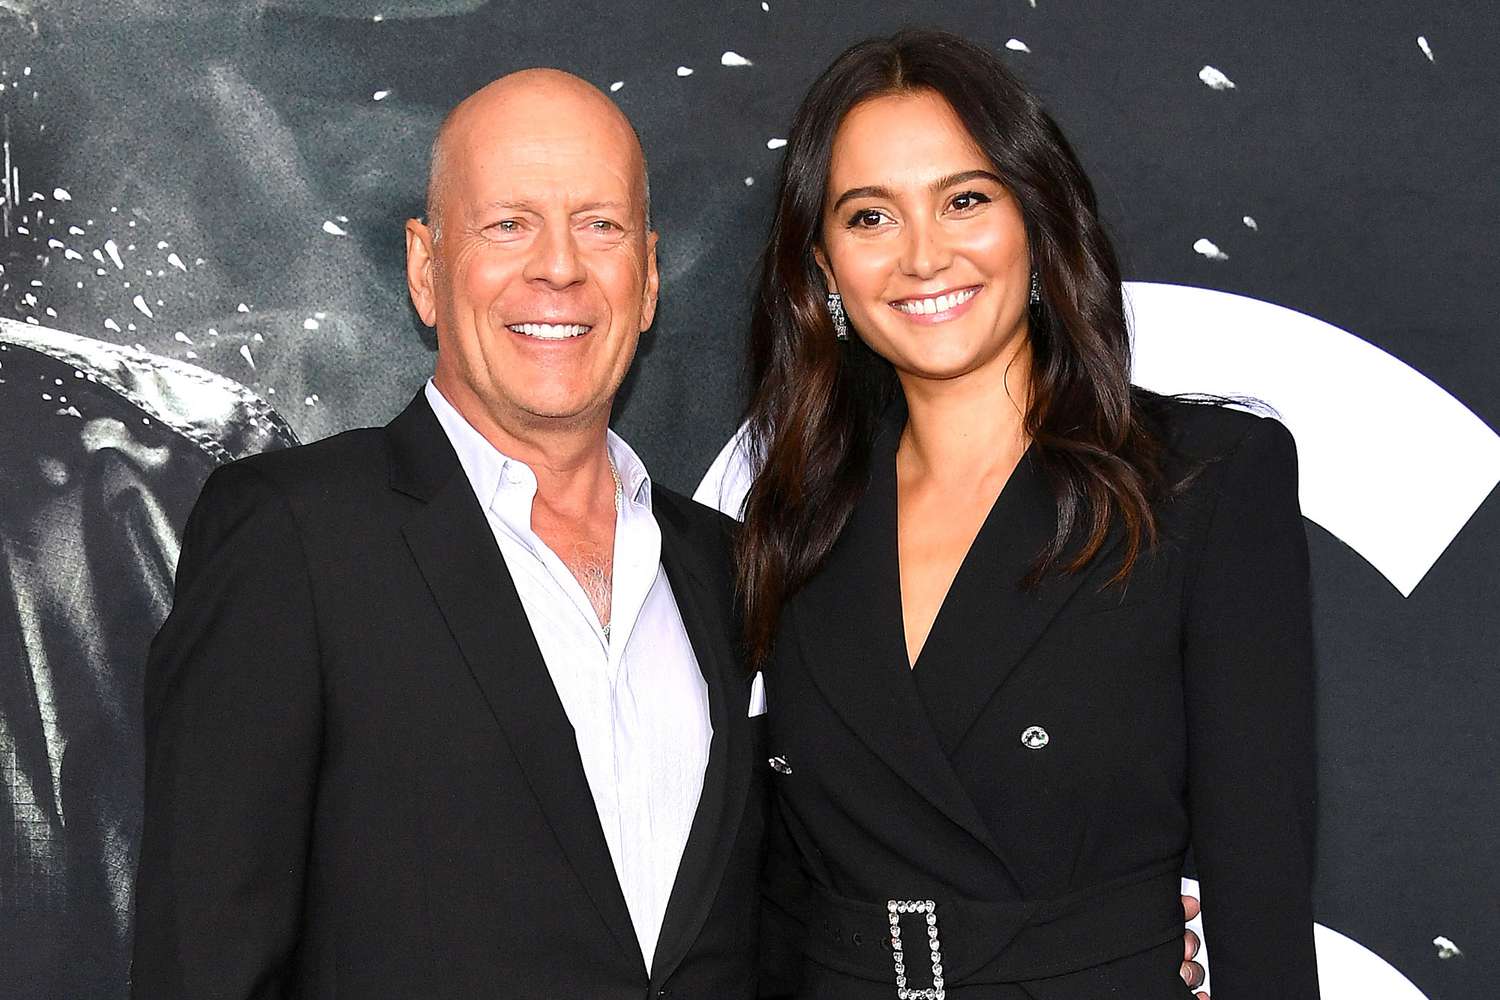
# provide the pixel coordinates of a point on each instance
(636, 698)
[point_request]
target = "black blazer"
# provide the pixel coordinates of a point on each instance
(360, 780)
(1041, 772)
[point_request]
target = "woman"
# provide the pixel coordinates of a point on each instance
(1027, 631)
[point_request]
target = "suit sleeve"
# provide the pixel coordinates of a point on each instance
(233, 709)
(1248, 649)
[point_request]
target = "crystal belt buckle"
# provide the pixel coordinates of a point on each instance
(927, 908)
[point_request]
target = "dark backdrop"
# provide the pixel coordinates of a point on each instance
(244, 168)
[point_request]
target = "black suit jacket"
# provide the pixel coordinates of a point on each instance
(360, 780)
(1041, 772)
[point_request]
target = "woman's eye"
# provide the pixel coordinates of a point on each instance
(968, 200)
(867, 218)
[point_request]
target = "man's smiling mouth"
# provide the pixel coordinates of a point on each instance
(550, 331)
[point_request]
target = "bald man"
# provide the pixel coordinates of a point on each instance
(449, 708)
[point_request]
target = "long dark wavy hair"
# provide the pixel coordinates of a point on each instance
(816, 403)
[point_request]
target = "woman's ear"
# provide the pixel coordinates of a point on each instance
(822, 261)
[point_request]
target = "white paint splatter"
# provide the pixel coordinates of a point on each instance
(1426, 48)
(1446, 948)
(242, 308)
(1250, 223)
(320, 315)
(1209, 249)
(52, 312)
(190, 354)
(309, 324)
(114, 254)
(55, 244)
(614, 88)
(245, 353)
(765, 7)
(1215, 79)
(333, 228)
(775, 143)
(110, 324)
(145, 310)
(176, 262)
(732, 58)
(749, 181)
(75, 231)
(162, 244)
(257, 338)
(1016, 45)
(684, 71)
(182, 338)
(380, 95)
(312, 400)
(61, 194)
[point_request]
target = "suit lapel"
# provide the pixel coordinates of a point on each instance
(849, 625)
(988, 623)
(451, 541)
(726, 780)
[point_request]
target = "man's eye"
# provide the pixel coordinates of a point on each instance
(604, 226)
(505, 226)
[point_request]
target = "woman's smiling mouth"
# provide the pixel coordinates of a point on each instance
(937, 308)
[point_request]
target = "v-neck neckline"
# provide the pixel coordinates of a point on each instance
(963, 567)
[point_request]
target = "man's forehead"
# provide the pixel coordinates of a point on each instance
(506, 166)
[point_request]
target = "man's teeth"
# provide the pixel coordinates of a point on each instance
(551, 331)
(937, 304)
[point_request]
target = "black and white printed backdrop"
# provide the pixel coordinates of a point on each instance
(201, 257)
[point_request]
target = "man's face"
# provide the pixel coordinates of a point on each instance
(543, 274)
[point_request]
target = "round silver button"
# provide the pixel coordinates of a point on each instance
(1034, 738)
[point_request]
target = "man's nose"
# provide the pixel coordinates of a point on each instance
(925, 252)
(554, 258)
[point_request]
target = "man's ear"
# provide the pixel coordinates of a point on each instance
(653, 283)
(421, 262)
(821, 259)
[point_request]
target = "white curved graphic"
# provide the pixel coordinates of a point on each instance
(1347, 970)
(1391, 463)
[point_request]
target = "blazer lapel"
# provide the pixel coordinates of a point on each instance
(451, 541)
(726, 780)
(988, 623)
(848, 621)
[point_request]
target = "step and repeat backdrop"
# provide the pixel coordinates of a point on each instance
(201, 258)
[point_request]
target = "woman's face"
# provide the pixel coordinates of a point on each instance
(923, 241)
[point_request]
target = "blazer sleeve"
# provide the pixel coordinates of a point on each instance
(233, 708)
(1248, 674)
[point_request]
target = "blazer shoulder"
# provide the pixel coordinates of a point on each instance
(1199, 431)
(351, 457)
(326, 478)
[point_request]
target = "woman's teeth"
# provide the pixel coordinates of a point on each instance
(551, 331)
(937, 304)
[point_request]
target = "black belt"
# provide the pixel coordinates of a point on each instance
(988, 942)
